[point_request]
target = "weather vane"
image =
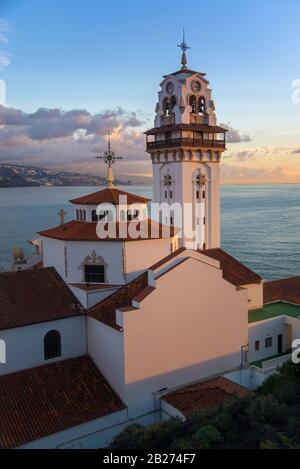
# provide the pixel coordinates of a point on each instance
(184, 47)
(109, 158)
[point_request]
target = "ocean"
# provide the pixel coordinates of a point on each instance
(260, 224)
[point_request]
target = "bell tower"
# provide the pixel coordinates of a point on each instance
(186, 146)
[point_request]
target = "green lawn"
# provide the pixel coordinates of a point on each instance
(274, 310)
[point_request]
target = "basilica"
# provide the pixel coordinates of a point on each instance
(132, 312)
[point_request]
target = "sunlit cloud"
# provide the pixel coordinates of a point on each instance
(234, 135)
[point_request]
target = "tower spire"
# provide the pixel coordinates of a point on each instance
(184, 47)
(109, 158)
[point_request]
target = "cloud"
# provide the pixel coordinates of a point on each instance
(234, 136)
(48, 124)
(260, 152)
(296, 151)
(240, 172)
(70, 139)
(5, 57)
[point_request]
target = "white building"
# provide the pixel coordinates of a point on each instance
(128, 319)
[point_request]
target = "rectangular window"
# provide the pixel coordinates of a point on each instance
(198, 195)
(268, 342)
(203, 194)
(171, 195)
(257, 345)
(94, 273)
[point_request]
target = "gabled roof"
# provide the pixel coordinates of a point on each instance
(286, 289)
(38, 402)
(233, 271)
(209, 394)
(87, 231)
(105, 311)
(109, 196)
(34, 296)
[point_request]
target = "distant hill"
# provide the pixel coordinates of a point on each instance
(31, 176)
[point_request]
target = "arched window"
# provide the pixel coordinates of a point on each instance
(166, 107)
(77, 214)
(201, 105)
(193, 103)
(84, 215)
(94, 215)
(80, 214)
(52, 345)
(173, 103)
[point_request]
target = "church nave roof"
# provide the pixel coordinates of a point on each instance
(109, 195)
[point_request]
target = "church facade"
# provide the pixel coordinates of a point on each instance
(131, 314)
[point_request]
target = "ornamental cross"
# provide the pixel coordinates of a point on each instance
(62, 215)
(109, 158)
(184, 47)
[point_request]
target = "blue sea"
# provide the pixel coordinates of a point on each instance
(260, 224)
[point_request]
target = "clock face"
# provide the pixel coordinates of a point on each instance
(196, 86)
(170, 87)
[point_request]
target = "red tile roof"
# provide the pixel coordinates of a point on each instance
(208, 394)
(286, 289)
(41, 401)
(34, 296)
(233, 271)
(109, 196)
(87, 231)
(94, 286)
(105, 311)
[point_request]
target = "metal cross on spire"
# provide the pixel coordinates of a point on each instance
(109, 158)
(184, 47)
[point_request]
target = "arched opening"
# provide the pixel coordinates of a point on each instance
(84, 215)
(201, 105)
(81, 216)
(77, 214)
(193, 103)
(173, 103)
(52, 345)
(94, 215)
(166, 107)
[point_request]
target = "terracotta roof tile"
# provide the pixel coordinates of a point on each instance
(87, 231)
(94, 286)
(109, 196)
(233, 271)
(105, 311)
(35, 296)
(208, 394)
(41, 401)
(286, 289)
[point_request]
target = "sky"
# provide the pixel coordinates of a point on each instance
(71, 69)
